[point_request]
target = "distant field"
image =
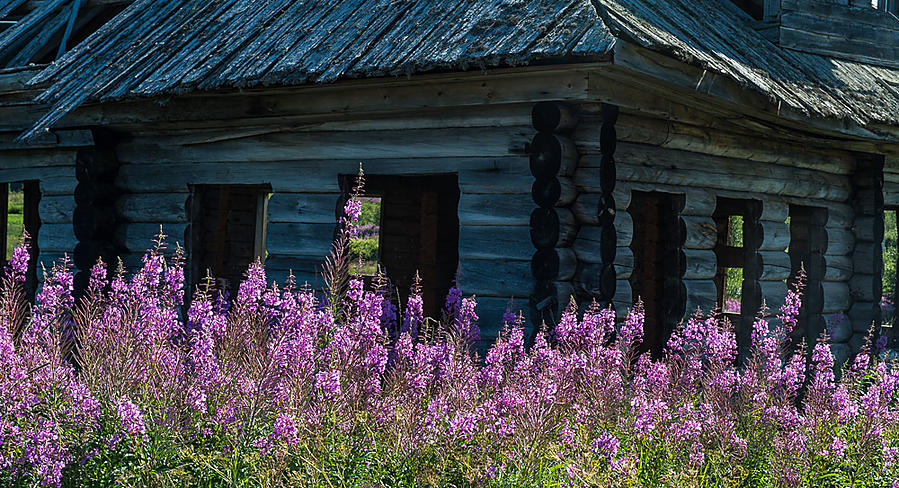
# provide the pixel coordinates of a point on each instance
(14, 224)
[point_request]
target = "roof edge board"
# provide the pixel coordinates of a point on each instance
(704, 82)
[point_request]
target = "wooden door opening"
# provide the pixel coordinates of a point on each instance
(656, 276)
(228, 224)
(418, 232)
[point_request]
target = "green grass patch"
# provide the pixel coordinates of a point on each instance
(15, 222)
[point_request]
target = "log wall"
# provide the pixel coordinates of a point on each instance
(302, 164)
(701, 178)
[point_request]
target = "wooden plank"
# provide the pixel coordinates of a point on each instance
(702, 264)
(56, 237)
(492, 277)
(701, 294)
(498, 209)
(702, 140)
(836, 296)
(56, 209)
(36, 158)
(318, 176)
(776, 265)
(839, 268)
(383, 96)
(495, 242)
(153, 207)
(139, 236)
(700, 232)
(775, 235)
(318, 208)
(359, 146)
(286, 239)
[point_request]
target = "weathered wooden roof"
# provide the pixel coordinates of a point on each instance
(163, 47)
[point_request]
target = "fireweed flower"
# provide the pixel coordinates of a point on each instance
(276, 370)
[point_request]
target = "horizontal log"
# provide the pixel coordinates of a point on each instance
(624, 263)
(87, 253)
(775, 235)
(701, 264)
(286, 239)
(864, 287)
(495, 242)
(356, 145)
(139, 236)
(317, 208)
(555, 264)
(839, 268)
(56, 209)
(597, 244)
(93, 222)
(868, 228)
(701, 294)
(491, 311)
(699, 202)
(95, 164)
(153, 207)
(493, 277)
(553, 192)
(864, 315)
(840, 242)
(30, 159)
(773, 293)
(599, 208)
(706, 141)
(836, 296)
(699, 232)
(595, 280)
(652, 164)
(867, 258)
(476, 174)
(552, 155)
(554, 117)
(548, 302)
(839, 215)
(776, 265)
(623, 300)
(552, 227)
(775, 210)
(498, 209)
(56, 237)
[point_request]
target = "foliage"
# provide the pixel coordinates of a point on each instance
(281, 387)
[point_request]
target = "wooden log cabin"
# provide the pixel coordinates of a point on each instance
(532, 151)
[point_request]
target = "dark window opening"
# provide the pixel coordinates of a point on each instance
(657, 275)
(21, 202)
(227, 232)
(736, 280)
(418, 232)
(808, 243)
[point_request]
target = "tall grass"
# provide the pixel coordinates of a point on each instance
(288, 387)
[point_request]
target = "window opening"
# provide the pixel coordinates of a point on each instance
(364, 248)
(21, 200)
(736, 280)
(417, 232)
(228, 232)
(656, 278)
(890, 269)
(808, 242)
